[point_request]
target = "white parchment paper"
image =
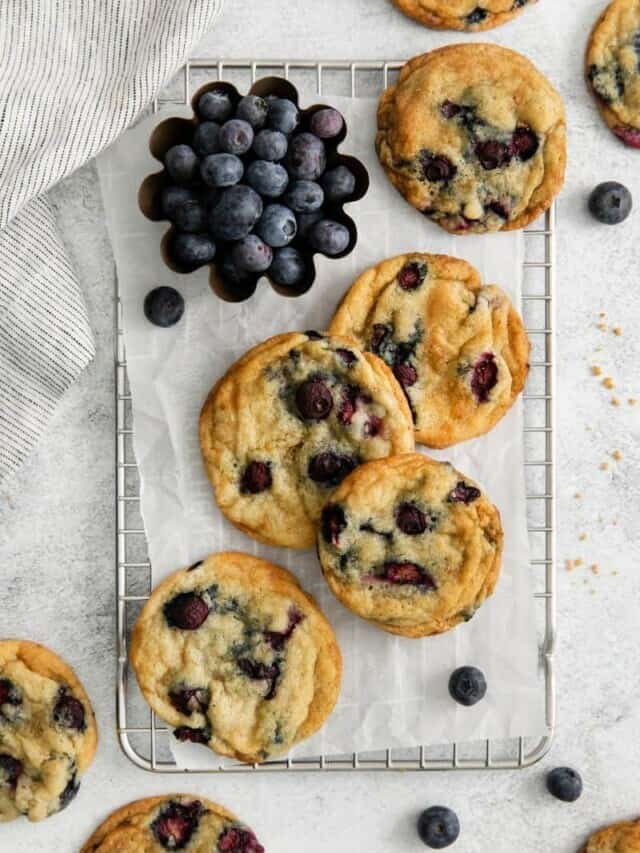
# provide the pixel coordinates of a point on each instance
(394, 691)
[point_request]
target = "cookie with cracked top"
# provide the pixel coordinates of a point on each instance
(233, 654)
(288, 422)
(172, 822)
(410, 544)
(48, 731)
(623, 837)
(458, 348)
(474, 137)
(467, 15)
(613, 68)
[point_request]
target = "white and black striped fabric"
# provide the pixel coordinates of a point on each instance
(73, 75)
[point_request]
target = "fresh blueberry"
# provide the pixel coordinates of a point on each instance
(192, 250)
(270, 145)
(329, 237)
(172, 197)
(332, 523)
(338, 184)
(288, 267)
(215, 106)
(326, 123)
(304, 196)
(252, 254)
(330, 468)
(190, 700)
(253, 110)
(236, 213)
(256, 478)
(186, 611)
(438, 827)
(206, 138)
(68, 712)
(484, 377)
(267, 178)
(306, 158)
(283, 115)
(236, 136)
(564, 783)
(314, 400)
(277, 225)
(176, 823)
(610, 203)
(233, 276)
(181, 163)
(163, 306)
(467, 685)
(306, 221)
(436, 168)
(10, 770)
(190, 216)
(221, 170)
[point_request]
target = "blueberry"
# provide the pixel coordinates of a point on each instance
(236, 136)
(236, 213)
(467, 685)
(10, 770)
(610, 203)
(306, 221)
(333, 522)
(234, 276)
(493, 154)
(338, 184)
(412, 275)
(206, 138)
(477, 16)
(410, 519)
(405, 373)
(171, 197)
(314, 400)
(163, 306)
(10, 700)
(306, 158)
(330, 468)
(182, 164)
(436, 169)
(524, 143)
(278, 639)
(215, 106)
(221, 170)
(270, 145)
(190, 700)
(407, 574)
(268, 179)
(187, 611)
(256, 478)
(252, 254)
(283, 115)
(190, 216)
(68, 712)
(69, 793)
(253, 110)
(304, 196)
(326, 123)
(484, 377)
(330, 238)
(176, 823)
(463, 493)
(187, 734)
(192, 250)
(564, 783)
(277, 225)
(438, 827)
(288, 267)
(238, 839)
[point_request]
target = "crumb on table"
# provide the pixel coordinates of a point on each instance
(582, 537)
(596, 370)
(615, 401)
(595, 568)
(604, 466)
(608, 382)
(617, 331)
(632, 401)
(616, 455)
(569, 565)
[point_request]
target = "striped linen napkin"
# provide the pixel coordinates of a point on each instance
(73, 75)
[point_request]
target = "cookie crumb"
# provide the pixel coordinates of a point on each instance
(582, 537)
(578, 562)
(569, 565)
(615, 401)
(602, 327)
(608, 382)
(632, 401)
(595, 568)
(602, 314)
(578, 496)
(617, 331)
(616, 455)
(596, 370)
(604, 466)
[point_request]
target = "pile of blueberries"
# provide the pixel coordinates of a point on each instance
(253, 190)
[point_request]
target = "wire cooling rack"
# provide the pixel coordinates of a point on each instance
(145, 739)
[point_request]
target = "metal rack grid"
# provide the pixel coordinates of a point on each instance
(143, 738)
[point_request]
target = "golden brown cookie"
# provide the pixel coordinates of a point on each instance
(474, 137)
(458, 348)
(172, 822)
(286, 424)
(236, 656)
(48, 731)
(613, 68)
(621, 837)
(411, 545)
(469, 15)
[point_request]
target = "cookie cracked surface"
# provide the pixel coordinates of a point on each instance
(468, 15)
(411, 545)
(474, 137)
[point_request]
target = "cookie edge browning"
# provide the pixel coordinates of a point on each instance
(414, 9)
(555, 148)
(44, 662)
(422, 629)
(138, 807)
(328, 663)
(604, 833)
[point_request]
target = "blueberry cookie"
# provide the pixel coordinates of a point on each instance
(469, 15)
(613, 68)
(621, 837)
(474, 137)
(288, 422)
(235, 655)
(173, 822)
(47, 731)
(411, 545)
(458, 348)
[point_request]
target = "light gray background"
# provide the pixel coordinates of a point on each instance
(56, 515)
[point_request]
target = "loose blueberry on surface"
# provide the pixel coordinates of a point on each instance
(172, 197)
(182, 163)
(192, 250)
(236, 213)
(338, 184)
(258, 671)
(333, 522)
(484, 376)
(629, 135)
(304, 196)
(70, 792)
(277, 226)
(206, 138)
(327, 123)
(163, 306)
(278, 639)
(330, 468)
(186, 611)
(565, 784)
(10, 770)
(270, 145)
(253, 110)
(492, 154)
(252, 254)
(610, 203)
(467, 685)
(256, 478)
(407, 574)
(405, 373)
(288, 267)
(215, 106)
(283, 115)
(462, 493)
(190, 217)
(186, 734)
(68, 712)
(239, 840)
(306, 221)
(190, 700)
(524, 143)
(410, 519)
(330, 238)
(221, 170)
(477, 16)
(268, 179)
(314, 400)
(412, 275)
(176, 824)
(236, 136)
(438, 827)
(306, 158)
(436, 169)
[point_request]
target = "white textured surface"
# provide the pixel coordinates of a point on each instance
(56, 516)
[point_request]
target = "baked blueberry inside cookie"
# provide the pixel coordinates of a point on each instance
(472, 15)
